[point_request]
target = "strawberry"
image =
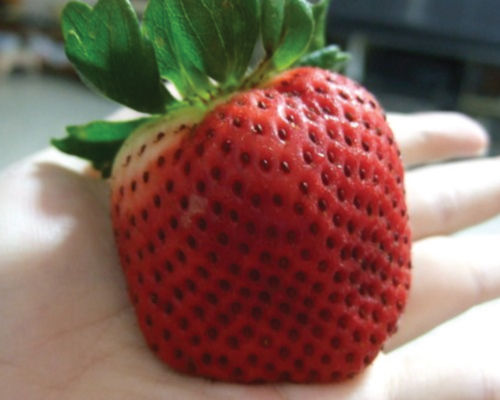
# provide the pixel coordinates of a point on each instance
(261, 226)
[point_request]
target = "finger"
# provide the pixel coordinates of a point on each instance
(428, 137)
(457, 361)
(446, 198)
(450, 275)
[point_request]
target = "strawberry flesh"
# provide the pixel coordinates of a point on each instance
(270, 241)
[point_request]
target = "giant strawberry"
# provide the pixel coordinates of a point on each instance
(260, 219)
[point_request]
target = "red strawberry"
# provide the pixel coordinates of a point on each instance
(265, 238)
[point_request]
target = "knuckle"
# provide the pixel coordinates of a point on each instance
(446, 206)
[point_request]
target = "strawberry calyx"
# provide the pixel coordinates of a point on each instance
(204, 49)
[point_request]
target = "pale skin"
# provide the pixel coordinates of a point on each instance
(68, 332)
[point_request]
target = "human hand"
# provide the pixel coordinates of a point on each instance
(68, 331)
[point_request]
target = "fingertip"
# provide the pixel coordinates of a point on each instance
(437, 136)
(475, 139)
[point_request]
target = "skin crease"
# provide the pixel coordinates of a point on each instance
(68, 330)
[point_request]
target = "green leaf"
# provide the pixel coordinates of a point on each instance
(98, 141)
(273, 16)
(320, 14)
(330, 57)
(296, 29)
(203, 37)
(178, 59)
(107, 48)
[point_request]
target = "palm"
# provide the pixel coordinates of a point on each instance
(68, 330)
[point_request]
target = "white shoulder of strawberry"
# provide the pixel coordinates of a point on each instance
(205, 54)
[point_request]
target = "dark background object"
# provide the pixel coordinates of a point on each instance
(425, 54)
(465, 29)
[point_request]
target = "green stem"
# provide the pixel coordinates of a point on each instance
(260, 74)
